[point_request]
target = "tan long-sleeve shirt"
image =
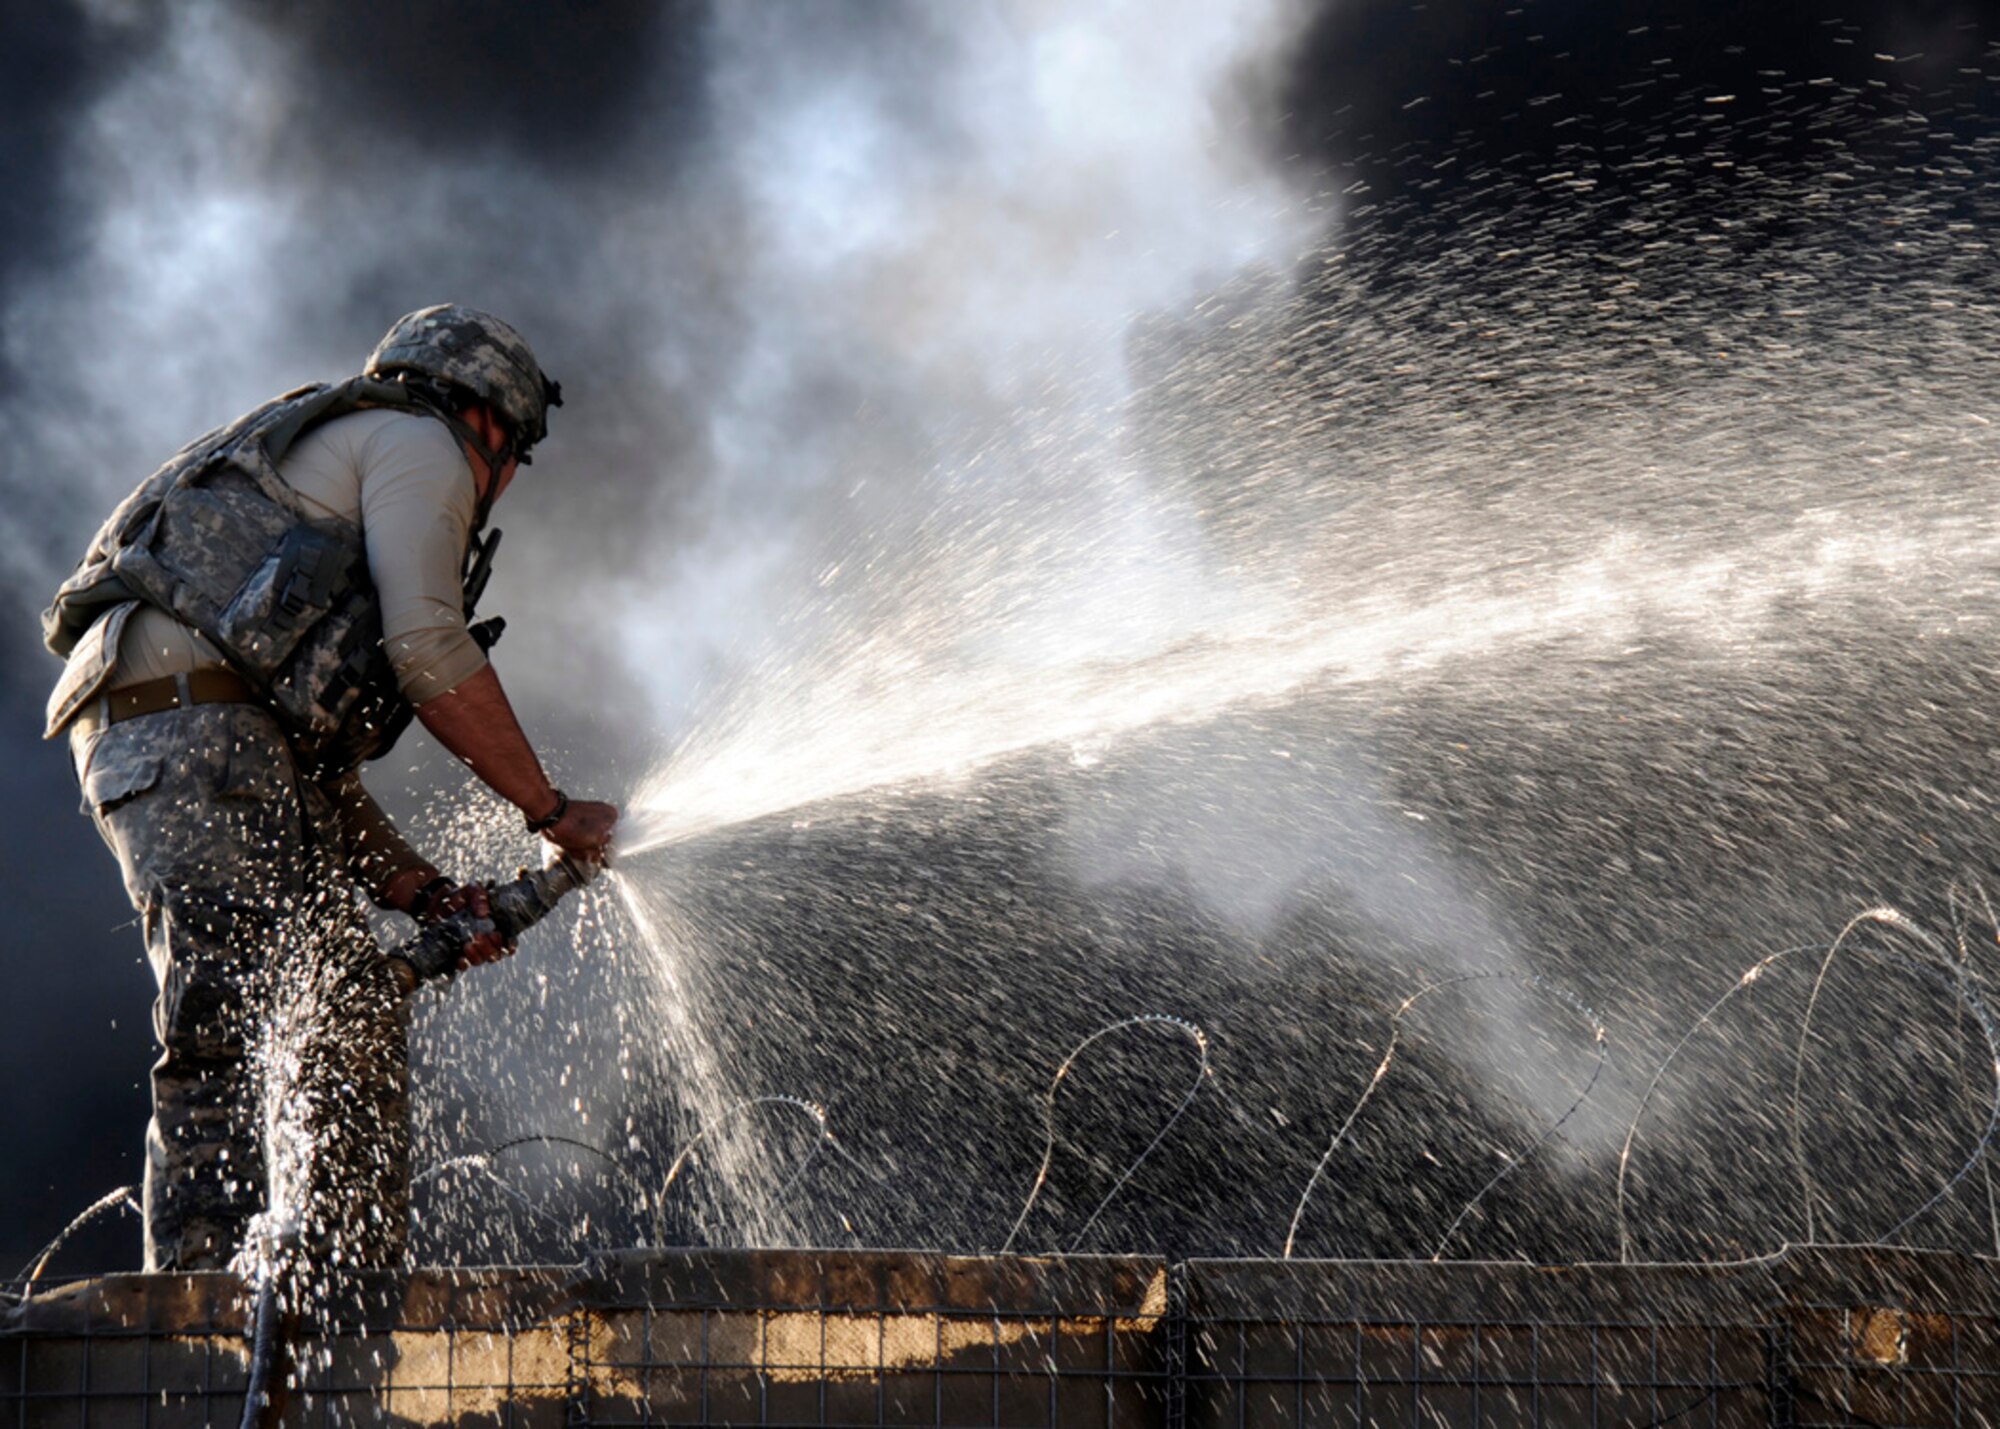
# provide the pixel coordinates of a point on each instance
(404, 480)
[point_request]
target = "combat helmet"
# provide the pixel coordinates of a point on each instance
(476, 352)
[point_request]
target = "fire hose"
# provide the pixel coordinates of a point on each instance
(516, 907)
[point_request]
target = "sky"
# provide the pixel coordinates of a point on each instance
(875, 320)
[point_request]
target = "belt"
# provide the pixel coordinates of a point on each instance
(170, 692)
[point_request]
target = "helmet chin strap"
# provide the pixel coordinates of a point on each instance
(495, 461)
(472, 438)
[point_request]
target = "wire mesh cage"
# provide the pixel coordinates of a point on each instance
(1809, 1338)
(696, 1337)
(1822, 1337)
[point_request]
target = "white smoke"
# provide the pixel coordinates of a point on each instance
(929, 254)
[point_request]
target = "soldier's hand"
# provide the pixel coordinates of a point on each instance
(585, 829)
(488, 947)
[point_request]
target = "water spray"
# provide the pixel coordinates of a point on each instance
(823, 1142)
(482, 1163)
(1957, 978)
(516, 907)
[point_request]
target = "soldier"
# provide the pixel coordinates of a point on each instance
(264, 612)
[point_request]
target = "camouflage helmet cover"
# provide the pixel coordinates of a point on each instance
(475, 351)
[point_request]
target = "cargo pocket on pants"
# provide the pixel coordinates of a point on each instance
(116, 776)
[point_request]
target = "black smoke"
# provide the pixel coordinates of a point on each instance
(54, 60)
(73, 1072)
(1419, 102)
(553, 87)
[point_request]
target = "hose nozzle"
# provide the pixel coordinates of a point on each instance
(517, 906)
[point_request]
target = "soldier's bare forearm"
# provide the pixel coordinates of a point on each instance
(476, 723)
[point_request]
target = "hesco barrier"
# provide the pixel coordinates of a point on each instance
(1861, 1337)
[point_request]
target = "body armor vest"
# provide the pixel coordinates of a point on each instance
(217, 538)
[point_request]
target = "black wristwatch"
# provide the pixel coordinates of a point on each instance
(550, 819)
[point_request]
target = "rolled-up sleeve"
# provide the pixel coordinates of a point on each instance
(417, 505)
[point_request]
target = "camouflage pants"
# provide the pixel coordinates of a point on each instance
(233, 863)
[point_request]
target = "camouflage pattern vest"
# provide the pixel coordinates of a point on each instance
(217, 538)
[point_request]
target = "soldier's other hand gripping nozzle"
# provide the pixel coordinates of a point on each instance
(516, 906)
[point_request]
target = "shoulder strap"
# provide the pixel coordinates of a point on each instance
(354, 395)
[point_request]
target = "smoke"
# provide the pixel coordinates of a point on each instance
(955, 217)
(53, 65)
(1238, 820)
(1406, 106)
(456, 81)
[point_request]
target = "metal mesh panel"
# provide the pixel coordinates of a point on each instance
(672, 1338)
(1810, 1338)
(1488, 1375)
(1821, 1338)
(124, 1377)
(860, 1367)
(859, 1339)
(1880, 1365)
